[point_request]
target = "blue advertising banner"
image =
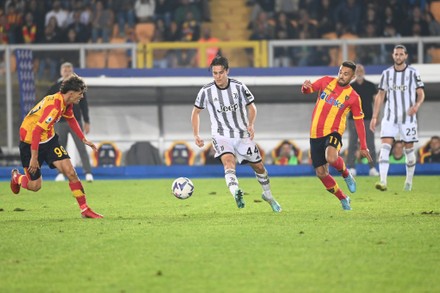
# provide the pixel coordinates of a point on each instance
(26, 80)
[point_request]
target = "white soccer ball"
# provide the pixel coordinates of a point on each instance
(182, 188)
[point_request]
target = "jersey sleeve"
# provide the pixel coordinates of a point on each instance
(382, 83)
(356, 107)
(248, 96)
(418, 79)
(316, 85)
(201, 99)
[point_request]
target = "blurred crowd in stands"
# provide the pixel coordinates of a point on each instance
(343, 19)
(96, 21)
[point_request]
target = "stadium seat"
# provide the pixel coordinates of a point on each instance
(96, 59)
(297, 151)
(108, 155)
(144, 32)
(179, 153)
(143, 153)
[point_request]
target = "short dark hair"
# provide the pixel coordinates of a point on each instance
(349, 64)
(220, 60)
(400, 46)
(73, 83)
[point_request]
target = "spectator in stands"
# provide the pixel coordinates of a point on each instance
(369, 54)
(397, 155)
(161, 57)
(48, 59)
(284, 30)
(416, 21)
(3, 29)
(164, 10)
(102, 23)
(348, 13)
(326, 25)
(266, 6)
(289, 7)
(144, 10)
(307, 25)
(181, 12)
(36, 8)
(59, 13)
(433, 153)
(433, 25)
(125, 15)
(187, 31)
(286, 155)
(28, 30)
(82, 31)
(13, 23)
(262, 28)
(211, 52)
(86, 16)
(72, 56)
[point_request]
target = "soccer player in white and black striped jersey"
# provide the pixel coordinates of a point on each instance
(232, 113)
(405, 94)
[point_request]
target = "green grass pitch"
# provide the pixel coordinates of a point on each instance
(150, 241)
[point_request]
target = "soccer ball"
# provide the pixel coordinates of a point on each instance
(182, 188)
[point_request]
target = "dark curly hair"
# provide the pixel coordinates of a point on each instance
(73, 83)
(220, 60)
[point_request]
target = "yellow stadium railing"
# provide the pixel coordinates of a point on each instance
(146, 51)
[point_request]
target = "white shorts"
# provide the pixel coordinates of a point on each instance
(408, 131)
(244, 149)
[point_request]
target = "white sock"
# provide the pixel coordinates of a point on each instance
(410, 164)
(231, 181)
(263, 179)
(384, 162)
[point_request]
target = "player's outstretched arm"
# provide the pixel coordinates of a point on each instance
(195, 122)
(90, 144)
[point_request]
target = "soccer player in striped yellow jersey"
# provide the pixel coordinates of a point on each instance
(39, 142)
(336, 98)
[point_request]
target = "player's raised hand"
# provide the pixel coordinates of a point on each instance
(199, 141)
(366, 154)
(90, 144)
(307, 84)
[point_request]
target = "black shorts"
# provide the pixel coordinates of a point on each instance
(48, 152)
(318, 146)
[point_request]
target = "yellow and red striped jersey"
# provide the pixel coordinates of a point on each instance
(333, 104)
(45, 114)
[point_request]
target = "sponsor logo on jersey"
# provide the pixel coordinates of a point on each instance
(331, 100)
(231, 108)
(401, 88)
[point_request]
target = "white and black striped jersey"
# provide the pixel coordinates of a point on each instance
(400, 88)
(226, 107)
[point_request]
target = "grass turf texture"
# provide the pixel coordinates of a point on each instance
(150, 241)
